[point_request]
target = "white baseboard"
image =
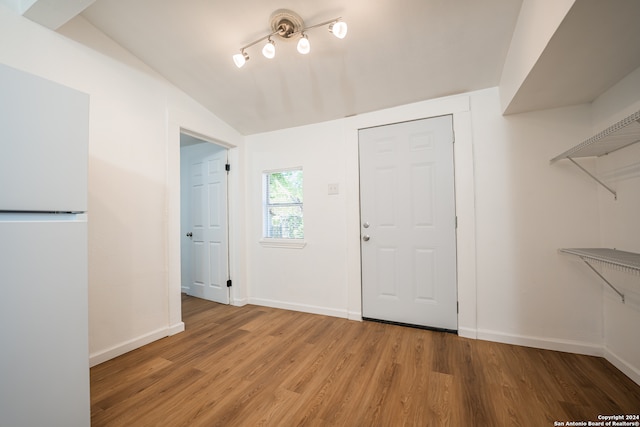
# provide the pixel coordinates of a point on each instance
(569, 346)
(175, 329)
(467, 333)
(354, 315)
(120, 349)
(313, 309)
(239, 302)
(624, 366)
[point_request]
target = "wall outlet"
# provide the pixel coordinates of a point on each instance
(334, 189)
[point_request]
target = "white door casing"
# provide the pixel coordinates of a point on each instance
(209, 231)
(408, 243)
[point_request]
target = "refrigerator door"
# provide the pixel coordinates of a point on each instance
(44, 134)
(44, 360)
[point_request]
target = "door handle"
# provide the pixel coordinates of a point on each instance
(366, 237)
(366, 225)
(189, 234)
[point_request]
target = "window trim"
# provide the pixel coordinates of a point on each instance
(278, 242)
(272, 242)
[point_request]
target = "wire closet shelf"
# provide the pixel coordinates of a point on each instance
(620, 135)
(628, 262)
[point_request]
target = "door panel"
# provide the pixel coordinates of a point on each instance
(387, 279)
(209, 227)
(216, 271)
(214, 211)
(198, 268)
(386, 205)
(422, 191)
(424, 274)
(408, 223)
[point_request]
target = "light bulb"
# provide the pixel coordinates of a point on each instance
(269, 49)
(240, 59)
(303, 45)
(338, 29)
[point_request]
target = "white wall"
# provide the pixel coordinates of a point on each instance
(515, 211)
(619, 226)
(312, 278)
(526, 210)
(324, 276)
(135, 121)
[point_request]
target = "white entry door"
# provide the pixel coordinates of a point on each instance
(408, 222)
(209, 233)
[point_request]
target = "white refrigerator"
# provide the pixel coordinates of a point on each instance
(44, 350)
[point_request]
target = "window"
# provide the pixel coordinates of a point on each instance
(282, 206)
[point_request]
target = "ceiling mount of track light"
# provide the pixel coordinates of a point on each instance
(286, 25)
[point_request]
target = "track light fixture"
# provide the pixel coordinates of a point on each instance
(240, 58)
(303, 44)
(287, 24)
(339, 29)
(269, 49)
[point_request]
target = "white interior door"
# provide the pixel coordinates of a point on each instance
(408, 223)
(209, 234)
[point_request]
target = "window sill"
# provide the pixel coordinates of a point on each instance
(283, 243)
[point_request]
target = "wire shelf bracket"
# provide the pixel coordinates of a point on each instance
(595, 178)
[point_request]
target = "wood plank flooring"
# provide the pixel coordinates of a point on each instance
(249, 366)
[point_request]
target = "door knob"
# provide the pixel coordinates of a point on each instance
(189, 234)
(365, 225)
(366, 237)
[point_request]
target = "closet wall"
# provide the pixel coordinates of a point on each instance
(620, 227)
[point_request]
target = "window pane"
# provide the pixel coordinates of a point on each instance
(283, 205)
(285, 222)
(285, 187)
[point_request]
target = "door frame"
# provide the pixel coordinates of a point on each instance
(201, 128)
(459, 107)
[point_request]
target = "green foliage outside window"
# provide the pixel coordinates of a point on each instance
(283, 205)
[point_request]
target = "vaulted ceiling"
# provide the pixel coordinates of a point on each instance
(395, 52)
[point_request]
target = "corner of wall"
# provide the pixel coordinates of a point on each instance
(624, 366)
(127, 346)
(618, 102)
(619, 227)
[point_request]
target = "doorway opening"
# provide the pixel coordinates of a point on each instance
(204, 225)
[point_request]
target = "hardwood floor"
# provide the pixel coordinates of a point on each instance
(246, 366)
